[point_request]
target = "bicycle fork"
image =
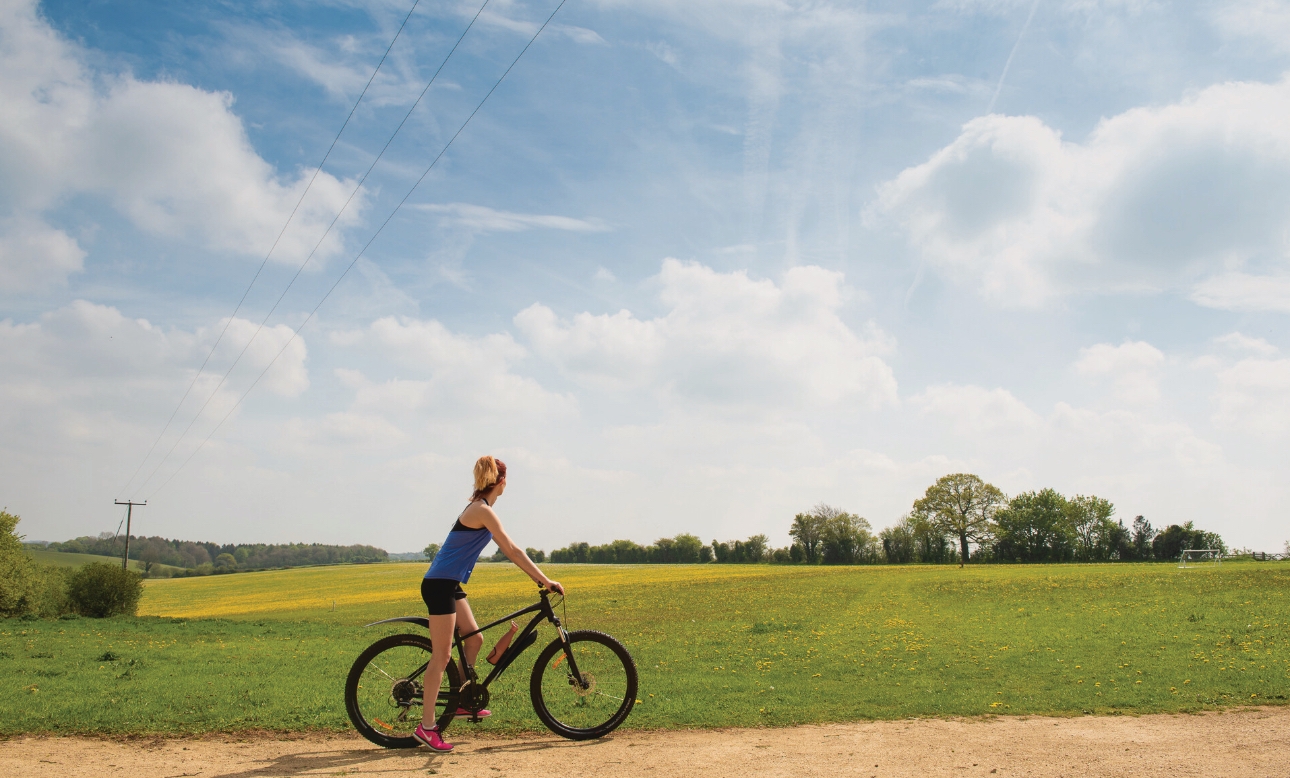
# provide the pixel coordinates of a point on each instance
(575, 676)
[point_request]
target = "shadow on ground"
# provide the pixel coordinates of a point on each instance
(390, 760)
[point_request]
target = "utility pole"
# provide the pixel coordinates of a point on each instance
(129, 511)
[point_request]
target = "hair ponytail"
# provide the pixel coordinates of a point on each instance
(488, 473)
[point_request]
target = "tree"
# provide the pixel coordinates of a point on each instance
(536, 554)
(1143, 534)
(685, 548)
(1090, 518)
(430, 551)
(845, 539)
(963, 505)
(150, 556)
(17, 571)
(1035, 527)
(226, 561)
(808, 530)
(755, 548)
(898, 542)
(1168, 545)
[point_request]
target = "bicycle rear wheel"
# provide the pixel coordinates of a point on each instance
(383, 693)
(602, 700)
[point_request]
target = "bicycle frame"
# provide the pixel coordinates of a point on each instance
(544, 612)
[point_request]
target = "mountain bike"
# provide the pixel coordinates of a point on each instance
(583, 684)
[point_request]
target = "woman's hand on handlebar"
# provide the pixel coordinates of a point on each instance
(553, 586)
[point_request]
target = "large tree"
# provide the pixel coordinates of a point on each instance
(1035, 527)
(807, 531)
(963, 505)
(1095, 533)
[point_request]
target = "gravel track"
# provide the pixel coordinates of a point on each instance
(1249, 743)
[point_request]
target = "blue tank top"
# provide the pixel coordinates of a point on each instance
(457, 557)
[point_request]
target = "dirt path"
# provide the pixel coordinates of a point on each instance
(1250, 743)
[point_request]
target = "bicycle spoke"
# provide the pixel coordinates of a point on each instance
(382, 672)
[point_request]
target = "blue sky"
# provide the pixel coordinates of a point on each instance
(691, 267)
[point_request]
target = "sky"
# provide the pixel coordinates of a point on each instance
(689, 267)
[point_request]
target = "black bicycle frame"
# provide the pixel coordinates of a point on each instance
(544, 612)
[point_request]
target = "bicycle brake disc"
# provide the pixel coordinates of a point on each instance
(587, 687)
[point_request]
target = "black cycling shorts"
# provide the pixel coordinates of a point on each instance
(441, 595)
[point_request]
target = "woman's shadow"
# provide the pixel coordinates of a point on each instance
(418, 760)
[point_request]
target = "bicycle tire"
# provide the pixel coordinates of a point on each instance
(361, 710)
(557, 699)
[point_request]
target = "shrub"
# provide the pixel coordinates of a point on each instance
(99, 590)
(26, 588)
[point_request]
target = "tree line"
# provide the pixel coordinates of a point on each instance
(959, 519)
(201, 558)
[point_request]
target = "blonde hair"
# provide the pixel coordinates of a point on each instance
(488, 472)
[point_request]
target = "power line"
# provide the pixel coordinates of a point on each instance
(272, 248)
(357, 256)
(314, 251)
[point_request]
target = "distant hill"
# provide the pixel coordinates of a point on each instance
(408, 556)
(66, 559)
(163, 557)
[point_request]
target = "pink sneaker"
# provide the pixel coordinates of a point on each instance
(462, 713)
(431, 738)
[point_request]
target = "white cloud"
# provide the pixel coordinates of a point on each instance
(726, 339)
(1238, 342)
(174, 159)
(456, 376)
(34, 255)
(1264, 21)
(1159, 197)
(1134, 367)
(1253, 396)
(484, 219)
(85, 374)
(974, 409)
(1244, 292)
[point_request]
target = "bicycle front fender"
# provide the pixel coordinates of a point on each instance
(419, 620)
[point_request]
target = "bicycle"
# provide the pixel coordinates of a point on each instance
(589, 698)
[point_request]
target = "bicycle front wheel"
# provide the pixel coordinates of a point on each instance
(383, 693)
(596, 703)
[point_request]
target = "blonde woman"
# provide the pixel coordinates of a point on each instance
(442, 592)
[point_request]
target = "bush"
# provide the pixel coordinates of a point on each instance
(100, 590)
(26, 588)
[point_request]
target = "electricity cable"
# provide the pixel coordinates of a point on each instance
(299, 270)
(272, 248)
(362, 251)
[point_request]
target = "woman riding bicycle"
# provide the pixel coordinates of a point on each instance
(452, 565)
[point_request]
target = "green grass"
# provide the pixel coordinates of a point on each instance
(716, 645)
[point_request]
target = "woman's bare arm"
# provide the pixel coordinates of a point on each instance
(513, 552)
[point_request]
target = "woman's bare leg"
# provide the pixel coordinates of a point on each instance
(441, 635)
(466, 620)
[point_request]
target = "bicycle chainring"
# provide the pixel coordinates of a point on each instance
(474, 697)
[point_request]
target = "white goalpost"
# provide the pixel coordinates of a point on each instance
(1197, 555)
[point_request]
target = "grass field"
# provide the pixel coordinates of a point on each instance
(67, 559)
(717, 645)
